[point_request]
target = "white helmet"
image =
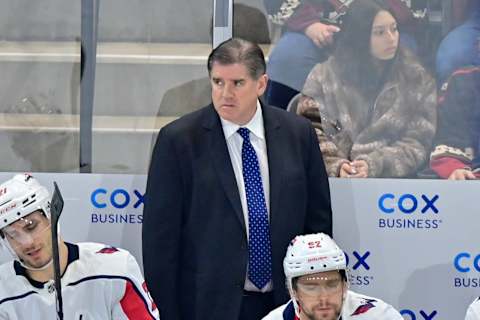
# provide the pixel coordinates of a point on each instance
(21, 196)
(310, 254)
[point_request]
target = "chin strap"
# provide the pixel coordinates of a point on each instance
(48, 264)
(344, 296)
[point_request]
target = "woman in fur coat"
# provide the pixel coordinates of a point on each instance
(372, 104)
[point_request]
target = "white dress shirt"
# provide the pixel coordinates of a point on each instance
(234, 144)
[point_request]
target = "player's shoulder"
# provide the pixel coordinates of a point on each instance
(101, 250)
(5, 269)
(473, 311)
(359, 305)
(284, 312)
(12, 285)
(7, 272)
(102, 257)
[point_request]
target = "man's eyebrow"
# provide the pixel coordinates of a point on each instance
(233, 80)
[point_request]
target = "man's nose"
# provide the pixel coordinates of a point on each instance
(322, 299)
(26, 241)
(227, 91)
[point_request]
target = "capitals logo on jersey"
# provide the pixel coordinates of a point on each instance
(364, 307)
(107, 250)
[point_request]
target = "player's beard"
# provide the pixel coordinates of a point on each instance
(330, 309)
(312, 315)
(37, 263)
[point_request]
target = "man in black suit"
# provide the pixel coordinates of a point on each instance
(229, 185)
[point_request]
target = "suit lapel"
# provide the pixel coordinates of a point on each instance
(275, 144)
(221, 160)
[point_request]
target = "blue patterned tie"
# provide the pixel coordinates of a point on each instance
(259, 247)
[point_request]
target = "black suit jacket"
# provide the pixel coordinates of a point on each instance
(194, 238)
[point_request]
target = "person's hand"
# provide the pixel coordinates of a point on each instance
(321, 34)
(462, 174)
(361, 166)
(346, 170)
(354, 169)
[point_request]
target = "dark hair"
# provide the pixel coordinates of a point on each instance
(352, 53)
(237, 50)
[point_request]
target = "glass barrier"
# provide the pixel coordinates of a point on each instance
(151, 69)
(373, 80)
(395, 115)
(39, 55)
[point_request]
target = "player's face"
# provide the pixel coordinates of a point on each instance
(31, 239)
(235, 92)
(384, 37)
(320, 295)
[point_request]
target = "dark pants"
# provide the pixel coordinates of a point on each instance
(279, 95)
(256, 305)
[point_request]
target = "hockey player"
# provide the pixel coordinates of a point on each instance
(98, 281)
(473, 311)
(317, 279)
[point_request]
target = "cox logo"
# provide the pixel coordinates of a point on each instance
(119, 198)
(413, 315)
(464, 262)
(360, 260)
(407, 203)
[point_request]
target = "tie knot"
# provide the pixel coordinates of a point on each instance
(245, 133)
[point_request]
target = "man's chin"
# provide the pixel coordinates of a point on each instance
(35, 264)
(324, 315)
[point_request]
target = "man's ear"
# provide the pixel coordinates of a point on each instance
(262, 82)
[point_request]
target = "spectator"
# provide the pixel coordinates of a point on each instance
(310, 28)
(456, 155)
(461, 46)
(373, 105)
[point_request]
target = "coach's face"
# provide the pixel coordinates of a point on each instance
(235, 92)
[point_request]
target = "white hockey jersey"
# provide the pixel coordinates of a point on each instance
(355, 307)
(473, 311)
(100, 282)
